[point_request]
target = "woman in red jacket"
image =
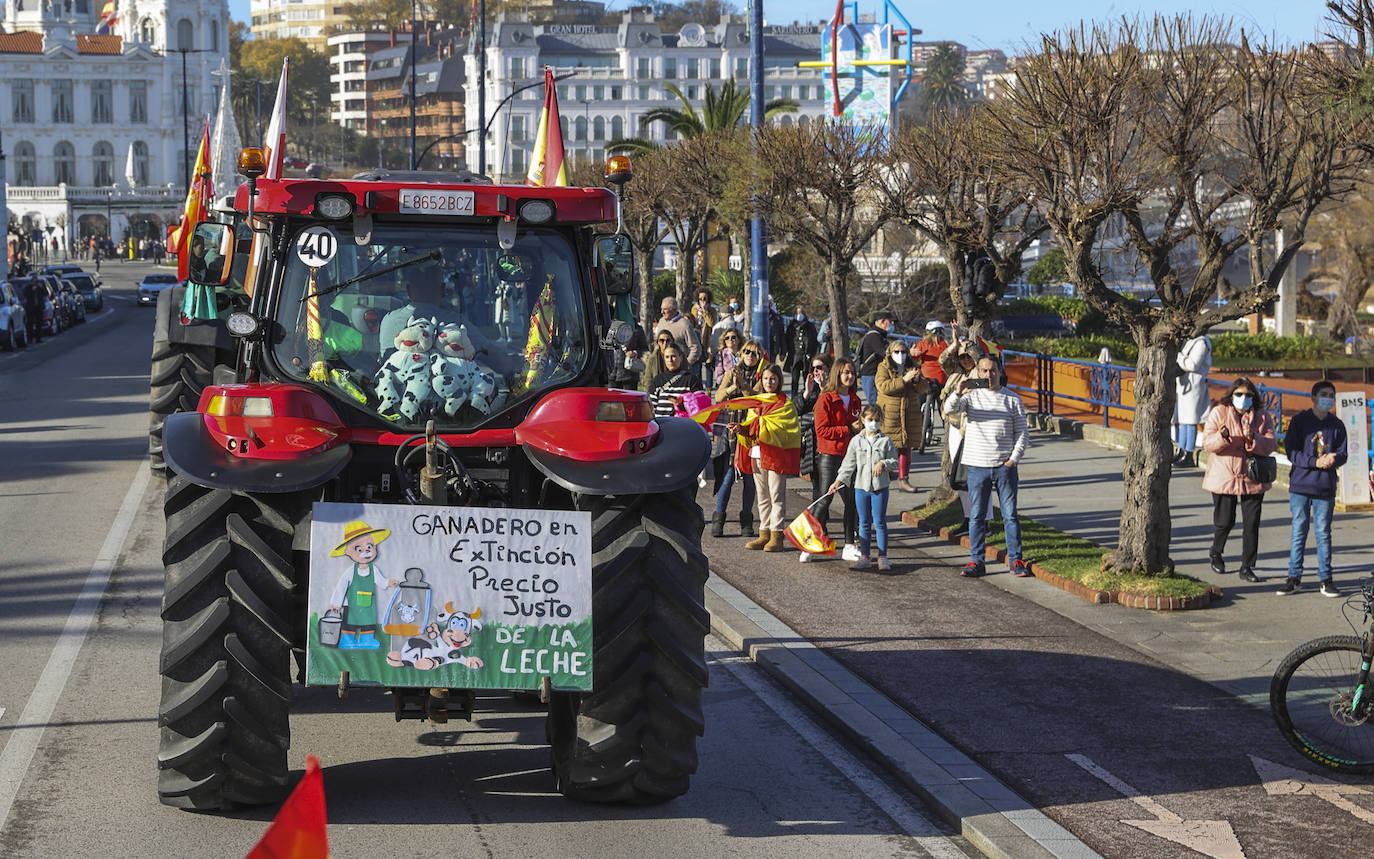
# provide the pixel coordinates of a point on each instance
(837, 419)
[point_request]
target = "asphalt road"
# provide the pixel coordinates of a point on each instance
(79, 632)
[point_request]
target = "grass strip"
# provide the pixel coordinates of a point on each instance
(1065, 555)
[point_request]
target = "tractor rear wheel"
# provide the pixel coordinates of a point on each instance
(633, 738)
(226, 646)
(180, 371)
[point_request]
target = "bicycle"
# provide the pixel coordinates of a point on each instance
(929, 410)
(1321, 698)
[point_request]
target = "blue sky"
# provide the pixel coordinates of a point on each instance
(1011, 25)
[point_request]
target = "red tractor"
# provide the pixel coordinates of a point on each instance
(431, 350)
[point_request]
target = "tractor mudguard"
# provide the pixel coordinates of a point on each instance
(673, 463)
(191, 451)
(168, 327)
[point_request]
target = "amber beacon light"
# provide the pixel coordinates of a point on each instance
(618, 169)
(252, 163)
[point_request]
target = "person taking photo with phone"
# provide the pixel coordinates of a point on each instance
(995, 438)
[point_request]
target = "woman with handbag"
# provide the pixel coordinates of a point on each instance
(1239, 435)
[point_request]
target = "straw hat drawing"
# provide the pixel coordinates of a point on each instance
(357, 529)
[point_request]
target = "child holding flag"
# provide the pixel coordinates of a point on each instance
(868, 466)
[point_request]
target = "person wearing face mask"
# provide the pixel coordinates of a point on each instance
(802, 346)
(703, 317)
(1236, 428)
(1316, 446)
(868, 466)
(900, 391)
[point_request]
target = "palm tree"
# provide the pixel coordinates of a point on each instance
(721, 109)
(942, 88)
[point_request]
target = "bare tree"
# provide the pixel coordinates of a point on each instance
(944, 180)
(1192, 149)
(695, 174)
(644, 226)
(819, 184)
(1347, 256)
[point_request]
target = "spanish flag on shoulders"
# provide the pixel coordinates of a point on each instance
(772, 419)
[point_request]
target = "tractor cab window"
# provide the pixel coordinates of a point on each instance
(431, 322)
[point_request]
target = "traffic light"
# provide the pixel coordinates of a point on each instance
(980, 280)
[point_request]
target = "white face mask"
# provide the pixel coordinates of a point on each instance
(899, 358)
(871, 426)
(1242, 402)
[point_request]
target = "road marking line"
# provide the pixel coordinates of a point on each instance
(1213, 838)
(911, 821)
(24, 738)
(1280, 780)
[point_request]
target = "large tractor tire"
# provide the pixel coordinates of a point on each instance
(180, 371)
(227, 615)
(633, 739)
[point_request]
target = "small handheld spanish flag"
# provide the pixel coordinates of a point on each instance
(298, 831)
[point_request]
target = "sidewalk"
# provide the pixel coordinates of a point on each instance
(1022, 677)
(1235, 643)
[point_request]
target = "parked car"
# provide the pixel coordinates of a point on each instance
(89, 287)
(14, 330)
(50, 322)
(152, 284)
(62, 269)
(76, 302)
(64, 303)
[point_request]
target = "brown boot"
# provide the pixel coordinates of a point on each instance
(760, 541)
(777, 542)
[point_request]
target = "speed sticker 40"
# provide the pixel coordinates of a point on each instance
(316, 246)
(437, 202)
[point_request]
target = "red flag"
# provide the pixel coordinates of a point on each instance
(197, 205)
(298, 831)
(276, 127)
(548, 167)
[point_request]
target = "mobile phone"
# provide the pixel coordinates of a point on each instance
(979, 383)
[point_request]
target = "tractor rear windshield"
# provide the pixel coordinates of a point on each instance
(432, 321)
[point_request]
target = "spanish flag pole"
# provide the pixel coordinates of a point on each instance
(548, 167)
(198, 302)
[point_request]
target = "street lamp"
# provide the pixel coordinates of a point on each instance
(413, 57)
(186, 110)
(109, 217)
(486, 126)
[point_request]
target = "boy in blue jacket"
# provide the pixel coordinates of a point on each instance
(1315, 444)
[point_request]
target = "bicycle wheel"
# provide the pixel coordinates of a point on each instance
(1313, 699)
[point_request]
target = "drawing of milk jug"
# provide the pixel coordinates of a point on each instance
(407, 614)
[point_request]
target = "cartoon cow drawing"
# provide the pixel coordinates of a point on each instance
(441, 643)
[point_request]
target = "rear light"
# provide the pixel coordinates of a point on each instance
(228, 406)
(625, 411)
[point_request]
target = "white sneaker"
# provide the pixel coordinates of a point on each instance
(850, 552)
(861, 564)
(883, 563)
(805, 557)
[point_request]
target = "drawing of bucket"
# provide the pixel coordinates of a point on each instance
(330, 626)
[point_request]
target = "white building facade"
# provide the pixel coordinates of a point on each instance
(96, 126)
(620, 75)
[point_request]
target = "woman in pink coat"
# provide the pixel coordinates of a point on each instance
(1236, 428)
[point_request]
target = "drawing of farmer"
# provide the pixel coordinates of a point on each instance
(358, 591)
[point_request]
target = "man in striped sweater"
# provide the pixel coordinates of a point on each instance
(995, 439)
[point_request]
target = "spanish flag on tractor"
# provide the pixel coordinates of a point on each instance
(197, 206)
(548, 166)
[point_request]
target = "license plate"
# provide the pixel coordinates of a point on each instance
(437, 202)
(453, 597)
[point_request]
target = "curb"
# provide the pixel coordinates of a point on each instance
(1078, 589)
(989, 814)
